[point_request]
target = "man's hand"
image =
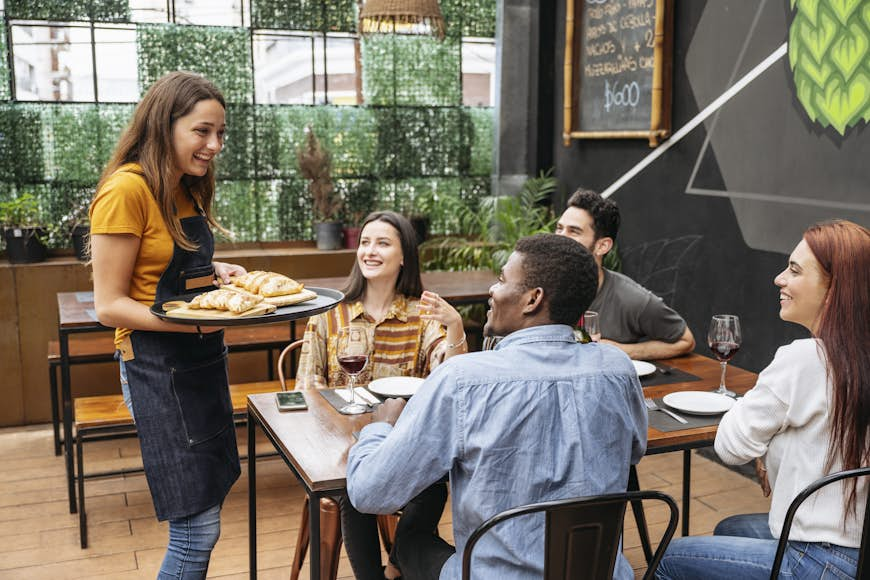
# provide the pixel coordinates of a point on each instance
(223, 271)
(389, 411)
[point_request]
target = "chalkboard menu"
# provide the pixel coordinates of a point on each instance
(618, 62)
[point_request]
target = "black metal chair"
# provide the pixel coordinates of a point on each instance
(863, 572)
(581, 534)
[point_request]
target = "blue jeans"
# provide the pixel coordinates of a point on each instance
(125, 386)
(743, 547)
(191, 541)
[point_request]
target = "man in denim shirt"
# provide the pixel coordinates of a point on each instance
(539, 418)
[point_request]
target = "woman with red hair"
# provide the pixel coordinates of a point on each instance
(807, 416)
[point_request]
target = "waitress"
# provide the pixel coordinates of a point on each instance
(151, 239)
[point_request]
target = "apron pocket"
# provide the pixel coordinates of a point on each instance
(199, 278)
(204, 400)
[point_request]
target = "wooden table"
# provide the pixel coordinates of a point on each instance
(314, 443)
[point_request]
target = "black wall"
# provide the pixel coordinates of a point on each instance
(695, 244)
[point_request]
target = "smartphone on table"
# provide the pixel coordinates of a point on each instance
(290, 401)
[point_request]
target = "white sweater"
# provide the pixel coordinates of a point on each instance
(786, 417)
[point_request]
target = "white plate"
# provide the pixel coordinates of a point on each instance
(699, 402)
(395, 386)
(643, 368)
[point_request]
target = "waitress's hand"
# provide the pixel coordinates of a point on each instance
(223, 271)
(761, 472)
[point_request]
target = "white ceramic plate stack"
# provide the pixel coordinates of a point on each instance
(643, 368)
(395, 386)
(699, 402)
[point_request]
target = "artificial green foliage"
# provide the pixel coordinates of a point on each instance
(236, 160)
(420, 141)
(113, 120)
(359, 198)
(73, 145)
(331, 16)
(469, 17)
(69, 10)
(21, 143)
(236, 206)
(294, 208)
(4, 67)
(829, 53)
(411, 70)
(222, 55)
(479, 139)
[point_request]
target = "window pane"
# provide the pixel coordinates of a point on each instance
(52, 63)
(117, 78)
(341, 71)
(283, 68)
(209, 12)
(478, 74)
(148, 11)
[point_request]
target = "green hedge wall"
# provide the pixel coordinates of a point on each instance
(411, 146)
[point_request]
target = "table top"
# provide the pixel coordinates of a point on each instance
(316, 441)
(76, 309)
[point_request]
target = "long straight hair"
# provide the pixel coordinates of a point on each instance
(147, 140)
(408, 283)
(842, 249)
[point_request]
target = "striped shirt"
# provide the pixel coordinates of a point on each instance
(404, 345)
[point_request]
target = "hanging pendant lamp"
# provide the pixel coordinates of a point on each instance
(420, 17)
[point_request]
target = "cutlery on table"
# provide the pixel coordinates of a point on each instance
(652, 406)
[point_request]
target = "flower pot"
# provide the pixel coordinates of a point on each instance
(24, 245)
(328, 235)
(80, 242)
(351, 237)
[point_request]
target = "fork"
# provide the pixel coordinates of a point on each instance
(651, 405)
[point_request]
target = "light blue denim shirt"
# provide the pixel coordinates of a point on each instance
(539, 418)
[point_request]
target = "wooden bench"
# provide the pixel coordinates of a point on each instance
(101, 417)
(100, 348)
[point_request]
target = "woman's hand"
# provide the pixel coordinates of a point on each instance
(433, 307)
(223, 271)
(761, 472)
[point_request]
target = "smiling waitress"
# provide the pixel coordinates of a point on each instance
(151, 239)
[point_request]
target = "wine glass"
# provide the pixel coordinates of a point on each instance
(724, 340)
(353, 355)
(590, 324)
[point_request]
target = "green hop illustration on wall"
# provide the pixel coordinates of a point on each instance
(829, 54)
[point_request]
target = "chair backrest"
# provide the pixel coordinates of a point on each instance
(863, 568)
(581, 535)
(287, 349)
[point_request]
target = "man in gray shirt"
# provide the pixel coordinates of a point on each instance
(631, 317)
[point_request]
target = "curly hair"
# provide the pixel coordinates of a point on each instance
(604, 212)
(564, 270)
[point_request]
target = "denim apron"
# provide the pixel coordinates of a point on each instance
(179, 387)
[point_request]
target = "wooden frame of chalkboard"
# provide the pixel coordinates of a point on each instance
(618, 70)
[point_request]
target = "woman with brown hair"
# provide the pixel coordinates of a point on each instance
(151, 239)
(808, 416)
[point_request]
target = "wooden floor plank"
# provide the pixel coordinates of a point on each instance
(39, 537)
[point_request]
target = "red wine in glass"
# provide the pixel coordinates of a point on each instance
(353, 364)
(724, 350)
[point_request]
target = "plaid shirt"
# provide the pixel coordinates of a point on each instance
(404, 345)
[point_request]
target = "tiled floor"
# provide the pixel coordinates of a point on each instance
(39, 538)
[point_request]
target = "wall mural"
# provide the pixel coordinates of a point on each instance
(829, 53)
(783, 150)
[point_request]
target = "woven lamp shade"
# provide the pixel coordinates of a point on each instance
(422, 17)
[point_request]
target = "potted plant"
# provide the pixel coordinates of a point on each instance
(315, 164)
(23, 234)
(75, 227)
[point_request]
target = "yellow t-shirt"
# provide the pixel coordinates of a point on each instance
(125, 205)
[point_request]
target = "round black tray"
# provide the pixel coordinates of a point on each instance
(327, 299)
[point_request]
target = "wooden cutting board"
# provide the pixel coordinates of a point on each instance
(187, 312)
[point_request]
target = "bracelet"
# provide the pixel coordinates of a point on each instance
(457, 344)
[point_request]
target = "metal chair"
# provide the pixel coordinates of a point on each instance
(863, 568)
(581, 534)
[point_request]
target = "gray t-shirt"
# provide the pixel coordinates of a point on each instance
(629, 313)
